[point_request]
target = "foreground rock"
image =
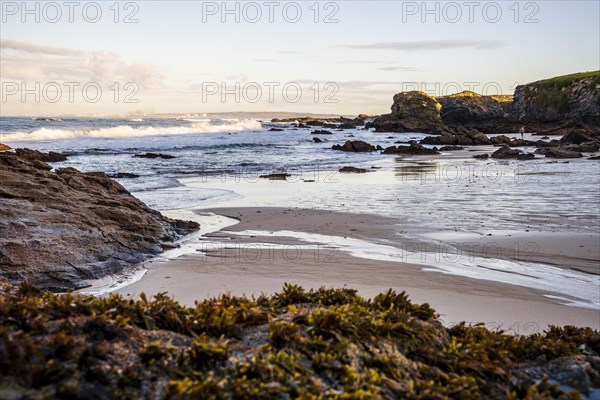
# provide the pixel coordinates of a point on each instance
(4, 147)
(355, 146)
(297, 344)
(31, 155)
(59, 228)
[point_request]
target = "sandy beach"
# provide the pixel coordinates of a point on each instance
(233, 261)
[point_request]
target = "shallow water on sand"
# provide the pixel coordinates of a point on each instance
(446, 198)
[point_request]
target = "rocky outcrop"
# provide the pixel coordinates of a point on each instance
(276, 177)
(352, 170)
(468, 138)
(29, 154)
(467, 108)
(506, 152)
(4, 147)
(414, 149)
(355, 146)
(412, 112)
(558, 152)
(321, 132)
(154, 155)
(573, 97)
(555, 106)
(59, 228)
(333, 122)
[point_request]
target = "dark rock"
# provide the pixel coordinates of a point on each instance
(414, 149)
(558, 152)
(317, 140)
(353, 170)
(121, 175)
(276, 177)
(346, 125)
(500, 139)
(577, 137)
(451, 148)
(469, 107)
(526, 156)
(468, 138)
(355, 146)
(59, 228)
(321, 132)
(594, 158)
(588, 147)
(29, 154)
(154, 155)
(578, 372)
(276, 130)
(411, 112)
(505, 152)
(481, 156)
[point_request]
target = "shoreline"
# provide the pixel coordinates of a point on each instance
(237, 263)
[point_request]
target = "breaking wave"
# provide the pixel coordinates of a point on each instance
(124, 131)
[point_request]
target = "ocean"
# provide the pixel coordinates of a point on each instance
(444, 199)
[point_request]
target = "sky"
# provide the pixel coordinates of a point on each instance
(330, 57)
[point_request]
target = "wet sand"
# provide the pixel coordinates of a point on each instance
(249, 265)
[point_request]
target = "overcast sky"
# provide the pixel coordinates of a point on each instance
(346, 57)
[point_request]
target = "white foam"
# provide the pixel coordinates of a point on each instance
(124, 131)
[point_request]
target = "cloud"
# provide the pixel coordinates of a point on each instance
(429, 45)
(398, 68)
(31, 62)
(38, 49)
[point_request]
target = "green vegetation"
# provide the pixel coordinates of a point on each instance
(318, 344)
(550, 93)
(560, 82)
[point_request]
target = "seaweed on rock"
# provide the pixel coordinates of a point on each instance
(315, 344)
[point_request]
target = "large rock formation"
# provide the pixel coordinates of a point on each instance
(573, 97)
(467, 108)
(4, 147)
(58, 228)
(555, 106)
(412, 112)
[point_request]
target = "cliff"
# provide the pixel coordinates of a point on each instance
(411, 112)
(59, 228)
(561, 105)
(469, 107)
(573, 97)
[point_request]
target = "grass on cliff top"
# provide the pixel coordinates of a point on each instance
(317, 344)
(561, 81)
(549, 93)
